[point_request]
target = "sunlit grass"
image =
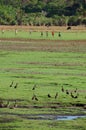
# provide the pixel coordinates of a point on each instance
(49, 71)
(37, 35)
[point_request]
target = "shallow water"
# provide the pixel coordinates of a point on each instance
(46, 116)
(55, 117)
(69, 117)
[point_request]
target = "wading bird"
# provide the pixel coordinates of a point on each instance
(11, 84)
(16, 85)
(62, 89)
(56, 95)
(34, 87)
(49, 96)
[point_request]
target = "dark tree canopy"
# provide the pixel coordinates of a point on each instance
(40, 12)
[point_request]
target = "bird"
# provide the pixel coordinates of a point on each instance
(11, 84)
(34, 87)
(62, 89)
(74, 96)
(6, 105)
(56, 95)
(1, 103)
(16, 85)
(34, 97)
(75, 90)
(49, 96)
(13, 106)
(67, 92)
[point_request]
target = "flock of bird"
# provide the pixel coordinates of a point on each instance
(74, 94)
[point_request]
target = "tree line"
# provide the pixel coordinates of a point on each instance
(43, 12)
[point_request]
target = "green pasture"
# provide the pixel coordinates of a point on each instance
(49, 71)
(30, 68)
(68, 35)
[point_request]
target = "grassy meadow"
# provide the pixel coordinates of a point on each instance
(42, 68)
(32, 34)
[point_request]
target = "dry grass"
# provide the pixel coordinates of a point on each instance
(44, 28)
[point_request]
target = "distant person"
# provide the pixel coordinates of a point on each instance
(30, 32)
(41, 34)
(59, 34)
(16, 31)
(2, 31)
(52, 33)
(46, 33)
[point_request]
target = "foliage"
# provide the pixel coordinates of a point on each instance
(19, 11)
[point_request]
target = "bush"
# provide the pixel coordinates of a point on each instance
(84, 21)
(74, 21)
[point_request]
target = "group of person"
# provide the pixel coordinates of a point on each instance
(52, 33)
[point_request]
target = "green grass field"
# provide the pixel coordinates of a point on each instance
(68, 35)
(49, 70)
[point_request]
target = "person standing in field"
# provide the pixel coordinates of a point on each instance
(2, 31)
(46, 33)
(52, 33)
(41, 34)
(59, 34)
(30, 32)
(16, 31)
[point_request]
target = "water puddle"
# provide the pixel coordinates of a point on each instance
(69, 117)
(45, 116)
(54, 117)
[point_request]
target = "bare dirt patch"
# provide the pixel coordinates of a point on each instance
(44, 28)
(42, 45)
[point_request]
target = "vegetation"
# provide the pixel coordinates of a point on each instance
(43, 12)
(30, 34)
(42, 68)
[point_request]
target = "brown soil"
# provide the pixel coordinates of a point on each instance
(44, 28)
(43, 45)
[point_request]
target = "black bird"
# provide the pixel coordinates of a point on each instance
(11, 84)
(36, 98)
(34, 87)
(67, 92)
(72, 95)
(75, 90)
(13, 106)
(1, 103)
(76, 96)
(33, 97)
(56, 95)
(62, 89)
(49, 95)
(16, 85)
